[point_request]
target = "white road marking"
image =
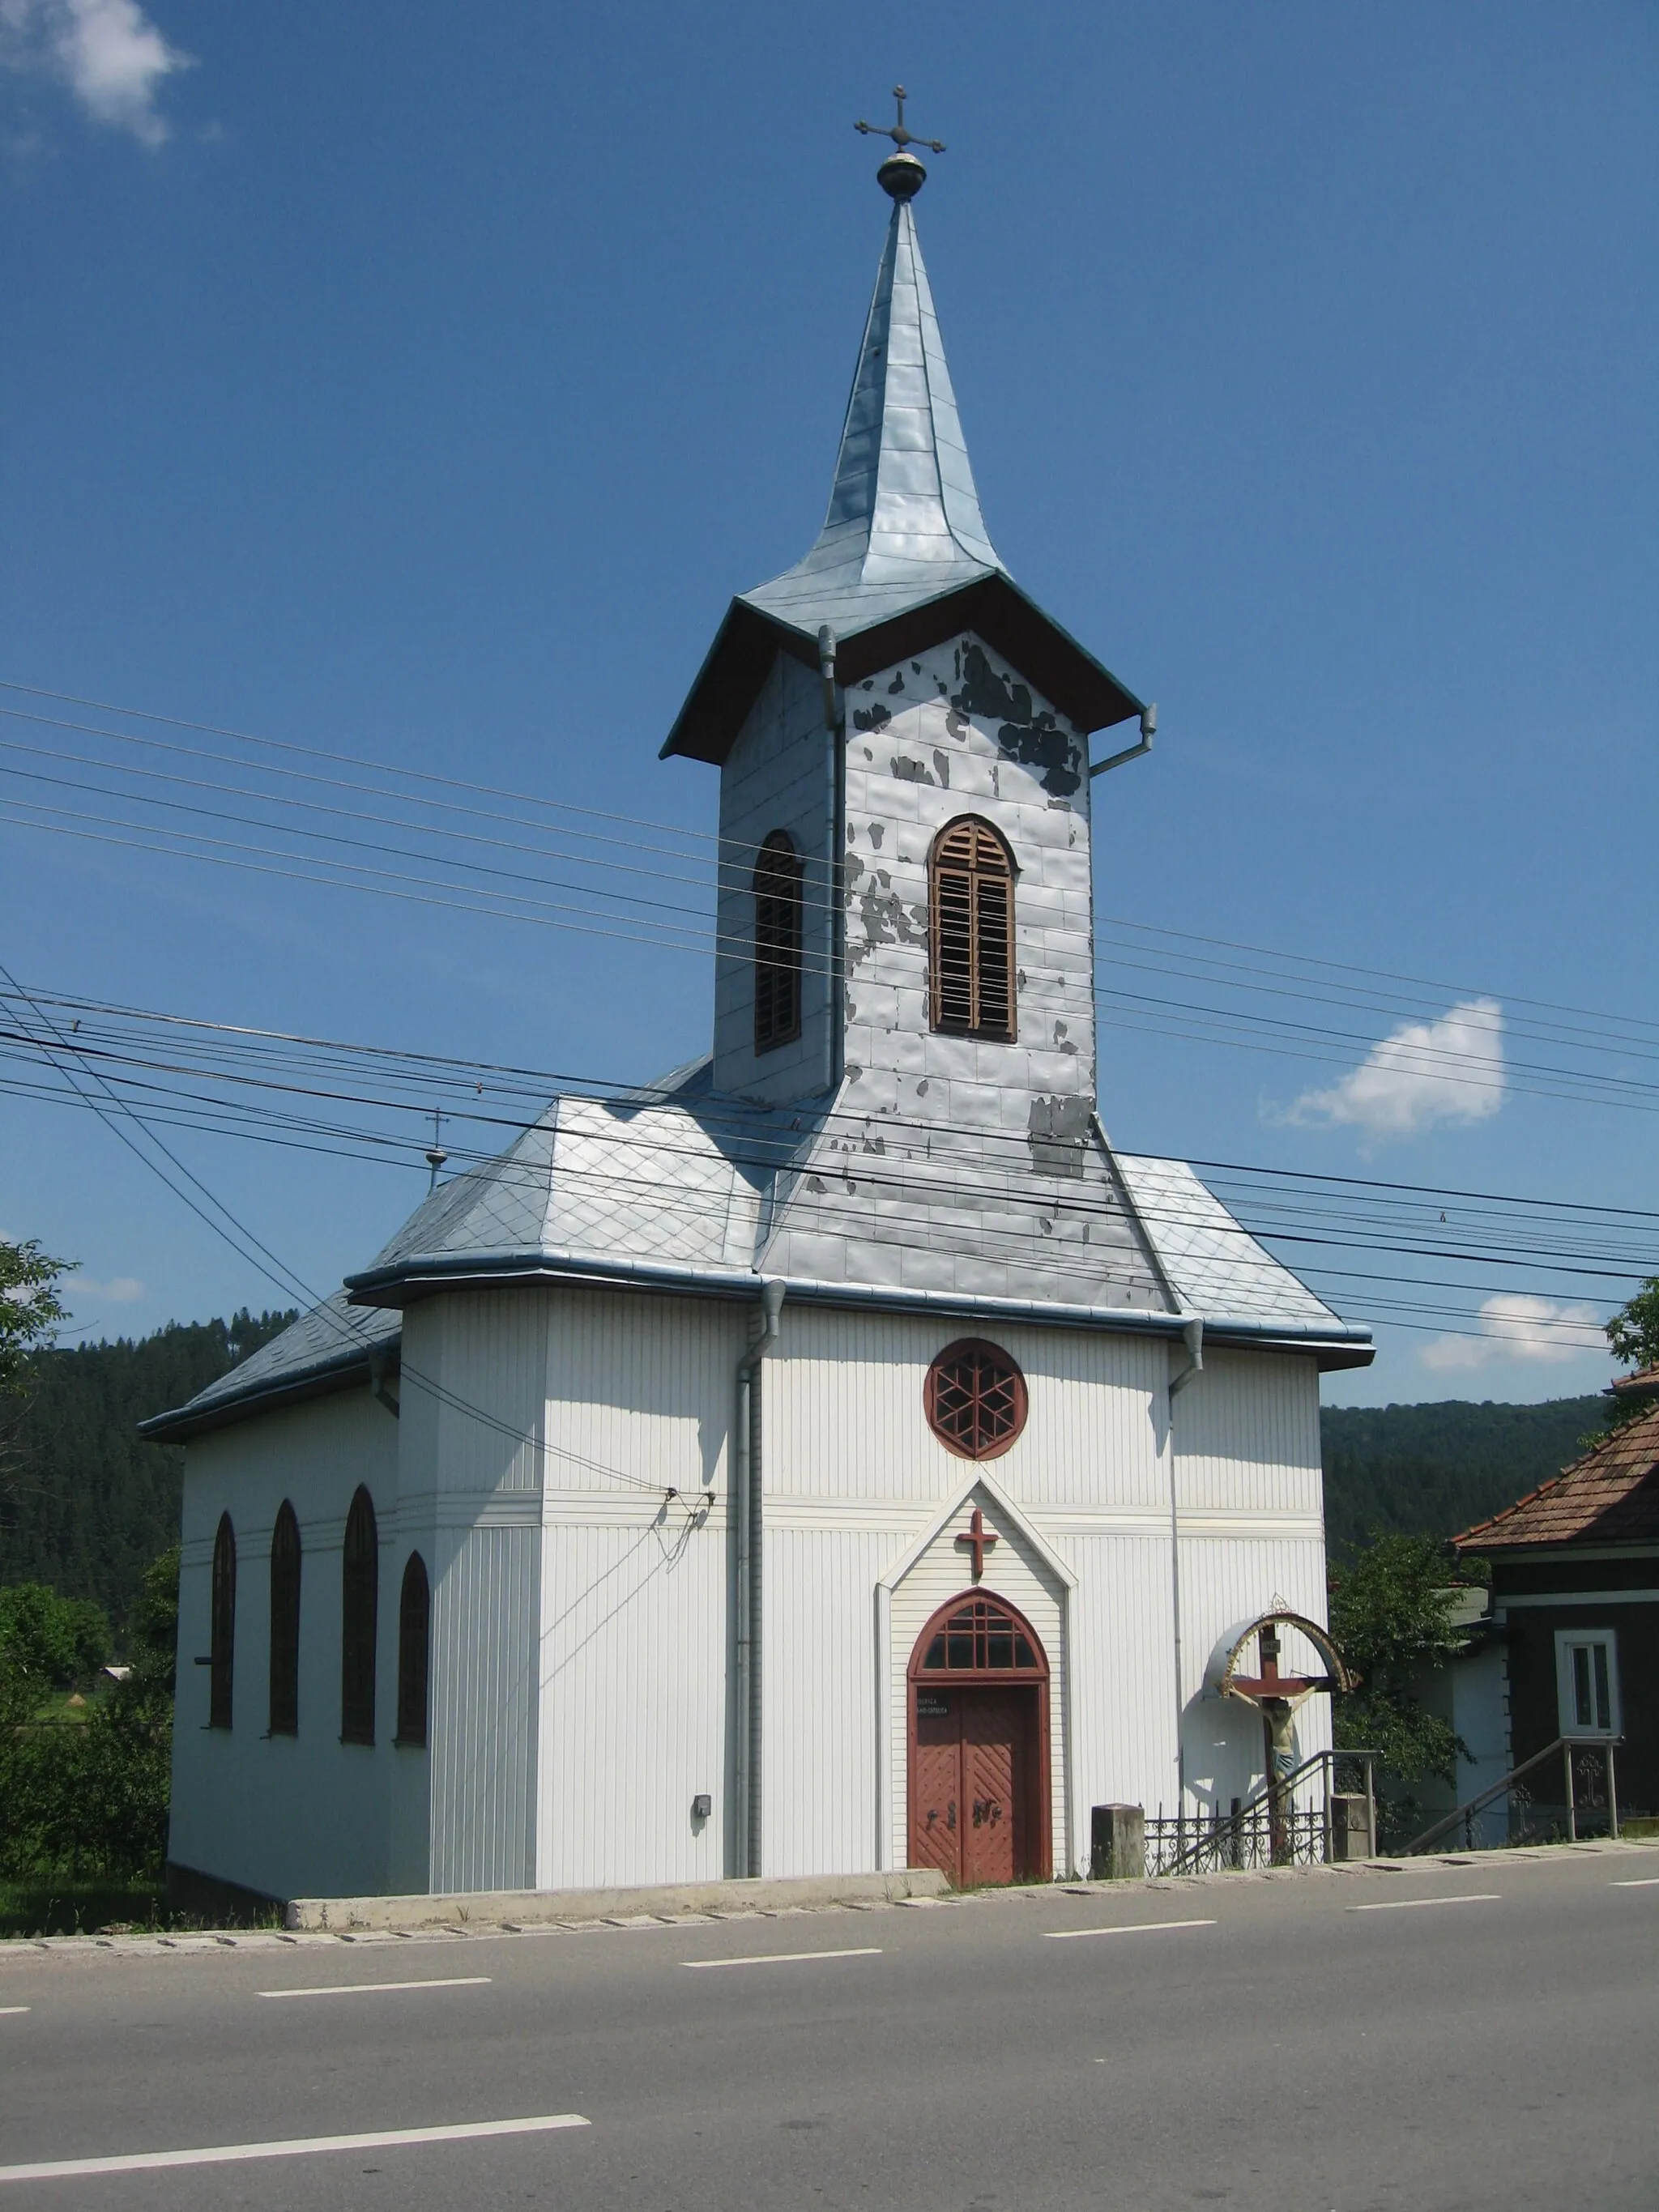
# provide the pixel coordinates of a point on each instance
(6, 2011)
(374, 1988)
(1648, 1881)
(787, 1958)
(1412, 1904)
(145, 2161)
(1128, 1928)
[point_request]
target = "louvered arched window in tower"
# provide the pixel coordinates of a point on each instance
(414, 1648)
(360, 1618)
(777, 942)
(222, 1630)
(285, 1623)
(971, 913)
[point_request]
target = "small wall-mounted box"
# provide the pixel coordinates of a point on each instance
(702, 1807)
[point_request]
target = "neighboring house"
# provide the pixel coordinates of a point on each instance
(1470, 1693)
(492, 1573)
(1573, 1648)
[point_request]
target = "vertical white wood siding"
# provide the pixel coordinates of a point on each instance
(473, 1395)
(287, 1815)
(635, 1633)
(581, 1617)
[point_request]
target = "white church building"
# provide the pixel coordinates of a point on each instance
(835, 1456)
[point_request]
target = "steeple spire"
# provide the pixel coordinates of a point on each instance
(904, 522)
(903, 560)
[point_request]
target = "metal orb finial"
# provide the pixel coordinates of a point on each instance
(901, 176)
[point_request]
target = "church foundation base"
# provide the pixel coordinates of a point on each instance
(526, 1908)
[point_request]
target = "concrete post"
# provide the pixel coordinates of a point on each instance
(1117, 1843)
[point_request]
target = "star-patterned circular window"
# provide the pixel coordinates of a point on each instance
(976, 1399)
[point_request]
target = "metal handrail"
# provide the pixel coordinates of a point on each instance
(1565, 1745)
(1271, 1789)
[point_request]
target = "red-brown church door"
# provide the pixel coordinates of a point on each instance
(979, 1745)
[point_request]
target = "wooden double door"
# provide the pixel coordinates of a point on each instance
(977, 1782)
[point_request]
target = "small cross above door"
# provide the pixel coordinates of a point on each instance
(978, 1538)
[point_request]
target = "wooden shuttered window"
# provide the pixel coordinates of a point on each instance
(972, 930)
(360, 1620)
(222, 1644)
(777, 942)
(285, 1623)
(414, 1652)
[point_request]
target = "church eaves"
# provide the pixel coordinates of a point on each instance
(904, 558)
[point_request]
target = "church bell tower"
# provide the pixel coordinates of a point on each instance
(905, 912)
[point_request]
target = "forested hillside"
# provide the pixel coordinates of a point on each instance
(1433, 1469)
(85, 1503)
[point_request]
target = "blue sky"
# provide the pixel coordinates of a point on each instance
(418, 382)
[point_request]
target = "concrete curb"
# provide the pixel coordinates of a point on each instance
(529, 1908)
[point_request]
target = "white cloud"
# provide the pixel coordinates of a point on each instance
(120, 1289)
(1424, 1072)
(1517, 1326)
(108, 52)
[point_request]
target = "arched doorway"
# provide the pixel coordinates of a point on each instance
(979, 1745)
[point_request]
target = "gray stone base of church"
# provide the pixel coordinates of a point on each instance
(529, 1908)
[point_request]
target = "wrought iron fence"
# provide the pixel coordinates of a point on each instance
(1212, 1842)
(1324, 1809)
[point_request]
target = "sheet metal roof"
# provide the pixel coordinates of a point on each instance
(904, 522)
(676, 1188)
(904, 557)
(1611, 1495)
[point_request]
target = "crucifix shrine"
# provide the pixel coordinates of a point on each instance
(1277, 1696)
(977, 1539)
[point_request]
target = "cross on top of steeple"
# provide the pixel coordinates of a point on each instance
(900, 175)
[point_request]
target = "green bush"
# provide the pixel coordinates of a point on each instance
(88, 1799)
(61, 1641)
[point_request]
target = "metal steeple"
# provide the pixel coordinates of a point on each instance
(904, 559)
(904, 522)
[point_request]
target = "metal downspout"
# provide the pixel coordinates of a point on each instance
(1193, 1337)
(746, 1478)
(835, 1052)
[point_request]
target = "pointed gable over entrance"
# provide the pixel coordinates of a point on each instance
(904, 559)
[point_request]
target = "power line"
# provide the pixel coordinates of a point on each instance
(1439, 986)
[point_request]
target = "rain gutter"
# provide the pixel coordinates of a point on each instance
(317, 1378)
(1194, 1335)
(747, 1479)
(430, 1275)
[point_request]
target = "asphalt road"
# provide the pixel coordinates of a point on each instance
(1487, 2037)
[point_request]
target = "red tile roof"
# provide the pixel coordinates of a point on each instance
(1611, 1495)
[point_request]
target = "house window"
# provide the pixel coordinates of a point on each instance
(414, 1646)
(1587, 1678)
(975, 1398)
(285, 1623)
(971, 914)
(222, 1645)
(777, 942)
(361, 1599)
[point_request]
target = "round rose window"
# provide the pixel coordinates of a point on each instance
(976, 1399)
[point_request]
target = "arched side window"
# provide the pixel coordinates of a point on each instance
(359, 1621)
(413, 1648)
(285, 1623)
(777, 942)
(221, 1646)
(971, 913)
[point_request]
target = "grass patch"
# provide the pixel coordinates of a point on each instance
(84, 1908)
